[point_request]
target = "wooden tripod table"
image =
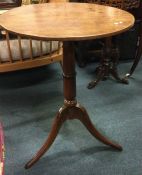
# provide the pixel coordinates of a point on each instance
(67, 22)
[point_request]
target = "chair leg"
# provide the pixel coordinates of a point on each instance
(137, 56)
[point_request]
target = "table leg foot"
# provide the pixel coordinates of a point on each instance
(93, 83)
(116, 76)
(84, 118)
(52, 135)
(126, 76)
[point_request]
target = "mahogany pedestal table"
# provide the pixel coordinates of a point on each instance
(67, 22)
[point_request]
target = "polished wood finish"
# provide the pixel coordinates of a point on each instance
(69, 19)
(74, 21)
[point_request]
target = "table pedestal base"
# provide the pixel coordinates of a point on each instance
(108, 66)
(103, 73)
(70, 111)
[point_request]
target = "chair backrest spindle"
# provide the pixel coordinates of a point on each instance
(8, 45)
(20, 48)
(50, 48)
(31, 49)
(41, 50)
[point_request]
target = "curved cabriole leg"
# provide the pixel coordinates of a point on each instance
(84, 118)
(114, 71)
(58, 121)
(103, 70)
(93, 83)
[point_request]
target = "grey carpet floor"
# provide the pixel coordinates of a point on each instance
(29, 101)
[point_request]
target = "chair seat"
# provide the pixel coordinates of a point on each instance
(47, 47)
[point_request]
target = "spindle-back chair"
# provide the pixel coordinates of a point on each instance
(17, 52)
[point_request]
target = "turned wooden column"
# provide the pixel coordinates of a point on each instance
(69, 74)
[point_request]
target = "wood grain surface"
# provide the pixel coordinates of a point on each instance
(66, 21)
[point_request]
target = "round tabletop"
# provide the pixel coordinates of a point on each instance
(66, 21)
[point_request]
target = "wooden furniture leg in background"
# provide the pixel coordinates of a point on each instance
(71, 109)
(108, 66)
(137, 56)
